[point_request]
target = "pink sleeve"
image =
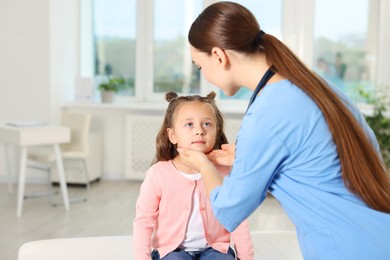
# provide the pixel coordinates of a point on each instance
(146, 214)
(243, 242)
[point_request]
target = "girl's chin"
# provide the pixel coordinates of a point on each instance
(199, 149)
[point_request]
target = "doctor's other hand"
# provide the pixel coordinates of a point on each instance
(224, 156)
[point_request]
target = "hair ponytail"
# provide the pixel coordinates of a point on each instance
(363, 171)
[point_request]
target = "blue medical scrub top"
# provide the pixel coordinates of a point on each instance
(285, 147)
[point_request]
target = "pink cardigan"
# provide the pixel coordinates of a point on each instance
(163, 209)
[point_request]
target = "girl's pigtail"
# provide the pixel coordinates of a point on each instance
(211, 96)
(170, 96)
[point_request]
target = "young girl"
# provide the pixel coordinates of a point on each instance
(174, 219)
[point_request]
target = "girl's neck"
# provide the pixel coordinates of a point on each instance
(180, 166)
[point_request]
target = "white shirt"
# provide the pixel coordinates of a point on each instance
(195, 239)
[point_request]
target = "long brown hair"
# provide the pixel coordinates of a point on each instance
(165, 150)
(231, 26)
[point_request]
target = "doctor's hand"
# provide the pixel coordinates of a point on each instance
(194, 159)
(225, 156)
(201, 163)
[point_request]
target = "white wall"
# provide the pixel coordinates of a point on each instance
(38, 59)
(37, 50)
(25, 60)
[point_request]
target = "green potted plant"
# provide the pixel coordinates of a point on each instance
(379, 120)
(110, 87)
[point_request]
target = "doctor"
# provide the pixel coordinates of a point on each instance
(301, 140)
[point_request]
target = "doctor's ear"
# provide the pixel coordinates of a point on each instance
(220, 56)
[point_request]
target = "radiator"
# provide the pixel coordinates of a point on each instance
(140, 137)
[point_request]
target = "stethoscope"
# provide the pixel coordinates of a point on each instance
(266, 77)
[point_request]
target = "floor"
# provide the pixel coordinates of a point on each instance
(109, 211)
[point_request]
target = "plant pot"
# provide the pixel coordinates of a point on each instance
(107, 96)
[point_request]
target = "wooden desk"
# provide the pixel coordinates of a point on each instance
(36, 135)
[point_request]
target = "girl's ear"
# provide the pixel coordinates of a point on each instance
(171, 135)
(220, 56)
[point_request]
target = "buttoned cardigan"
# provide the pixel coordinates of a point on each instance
(163, 210)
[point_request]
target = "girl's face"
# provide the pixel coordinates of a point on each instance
(214, 70)
(194, 127)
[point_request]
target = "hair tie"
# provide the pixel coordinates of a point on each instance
(259, 37)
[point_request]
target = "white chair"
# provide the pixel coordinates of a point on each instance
(76, 149)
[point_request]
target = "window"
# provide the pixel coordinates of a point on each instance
(345, 48)
(145, 41)
(114, 39)
(173, 69)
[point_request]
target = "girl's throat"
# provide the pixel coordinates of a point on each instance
(180, 166)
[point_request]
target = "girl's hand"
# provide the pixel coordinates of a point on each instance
(225, 156)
